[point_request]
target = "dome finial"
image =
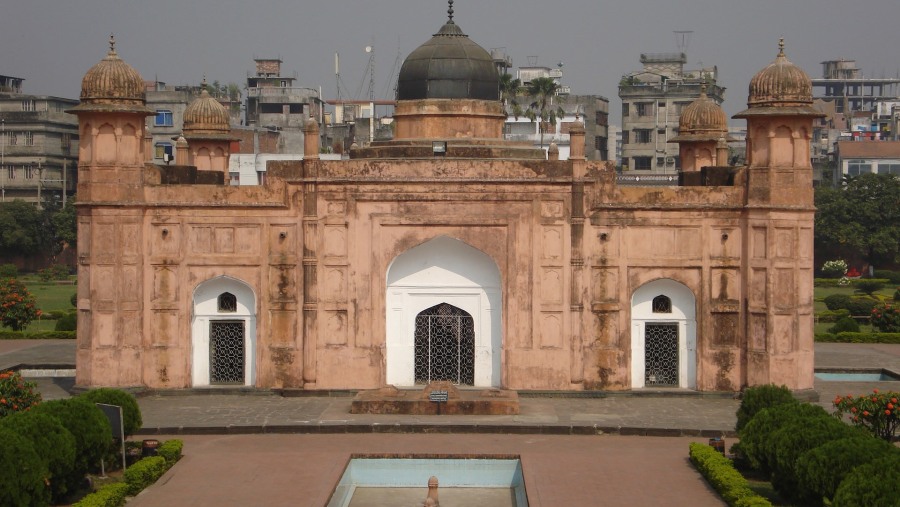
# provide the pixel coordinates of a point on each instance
(450, 12)
(703, 89)
(781, 46)
(112, 43)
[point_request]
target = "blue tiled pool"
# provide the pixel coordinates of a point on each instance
(881, 376)
(399, 473)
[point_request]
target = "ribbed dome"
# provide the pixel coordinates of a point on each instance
(781, 84)
(113, 82)
(702, 115)
(449, 66)
(206, 114)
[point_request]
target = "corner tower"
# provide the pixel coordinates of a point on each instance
(701, 125)
(778, 251)
(110, 170)
(207, 131)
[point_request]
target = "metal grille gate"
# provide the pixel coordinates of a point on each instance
(226, 352)
(445, 345)
(661, 354)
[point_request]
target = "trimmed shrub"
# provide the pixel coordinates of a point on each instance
(756, 437)
(74, 300)
(821, 470)
(730, 484)
(833, 316)
(109, 495)
(844, 325)
(131, 412)
(757, 398)
(8, 271)
(54, 272)
(89, 427)
(22, 471)
(861, 306)
(792, 440)
(144, 473)
(868, 287)
(858, 338)
(52, 442)
(170, 450)
(837, 301)
(68, 322)
(875, 484)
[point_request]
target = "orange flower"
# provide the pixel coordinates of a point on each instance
(888, 412)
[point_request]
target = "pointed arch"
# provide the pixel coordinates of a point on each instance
(663, 343)
(223, 336)
(443, 270)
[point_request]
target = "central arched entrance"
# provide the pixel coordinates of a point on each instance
(443, 316)
(663, 336)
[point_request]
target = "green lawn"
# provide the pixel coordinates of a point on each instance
(50, 296)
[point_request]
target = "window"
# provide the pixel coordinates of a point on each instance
(602, 118)
(28, 105)
(857, 167)
(625, 111)
(644, 108)
(29, 172)
(643, 163)
(599, 143)
(65, 141)
(163, 118)
(626, 136)
(29, 138)
(12, 139)
(163, 149)
(227, 303)
(642, 135)
(662, 304)
(10, 172)
(889, 169)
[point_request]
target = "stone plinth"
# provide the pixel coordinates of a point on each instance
(390, 400)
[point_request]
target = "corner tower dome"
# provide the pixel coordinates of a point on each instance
(781, 88)
(112, 84)
(206, 115)
(449, 66)
(702, 116)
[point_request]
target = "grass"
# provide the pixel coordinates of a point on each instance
(50, 296)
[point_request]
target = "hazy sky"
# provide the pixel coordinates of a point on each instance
(52, 43)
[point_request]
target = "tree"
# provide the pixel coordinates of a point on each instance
(510, 89)
(24, 229)
(542, 90)
(66, 224)
(863, 218)
(17, 306)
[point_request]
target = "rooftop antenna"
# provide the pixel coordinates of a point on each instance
(683, 39)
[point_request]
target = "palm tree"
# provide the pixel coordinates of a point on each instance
(510, 89)
(542, 90)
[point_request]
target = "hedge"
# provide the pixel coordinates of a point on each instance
(40, 335)
(875, 484)
(834, 282)
(858, 337)
(109, 495)
(131, 412)
(756, 442)
(891, 276)
(144, 473)
(721, 475)
(757, 398)
(170, 450)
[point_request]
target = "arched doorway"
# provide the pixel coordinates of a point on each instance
(431, 288)
(663, 336)
(223, 334)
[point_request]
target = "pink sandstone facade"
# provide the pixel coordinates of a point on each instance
(328, 276)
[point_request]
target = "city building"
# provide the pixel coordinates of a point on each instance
(275, 101)
(446, 253)
(592, 111)
(652, 100)
(38, 145)
(854, 158)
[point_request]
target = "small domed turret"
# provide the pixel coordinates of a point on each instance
(703, 116)
(112, 84)
(206, 115)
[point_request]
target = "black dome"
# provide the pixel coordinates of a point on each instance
(449, 66)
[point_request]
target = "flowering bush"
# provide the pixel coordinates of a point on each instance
(886, 318)
(17, 306)
(876, 412)
(16, 395)
(834, 269)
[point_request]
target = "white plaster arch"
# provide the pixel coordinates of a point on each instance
(205, 310)
(443, 270)
(683, 314)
